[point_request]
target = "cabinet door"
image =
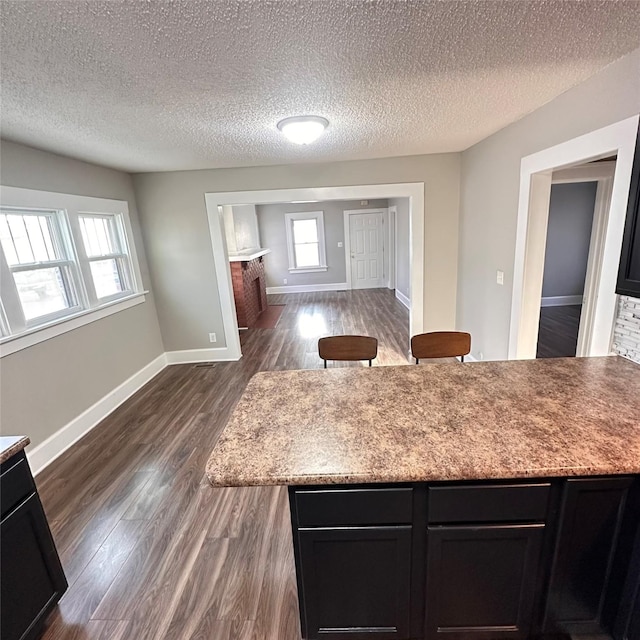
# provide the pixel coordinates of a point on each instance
(481, 580)
(355, 581)
(629, 271)
(32, 580)
(590, 520)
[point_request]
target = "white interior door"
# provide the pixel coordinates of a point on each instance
(366, 250)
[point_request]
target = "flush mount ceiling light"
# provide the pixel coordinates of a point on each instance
(303, 129)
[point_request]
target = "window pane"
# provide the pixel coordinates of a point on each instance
(98, 235)
(41, 291)
(106, 278)
(27, 238)
(305, 231)
(307, 255)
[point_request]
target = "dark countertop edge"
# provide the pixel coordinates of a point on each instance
(530, 474)
(20, 443)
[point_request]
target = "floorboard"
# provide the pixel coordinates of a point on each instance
(558, 332)
(150, 550)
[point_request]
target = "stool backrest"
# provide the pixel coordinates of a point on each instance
(440, 344)
(347, 348)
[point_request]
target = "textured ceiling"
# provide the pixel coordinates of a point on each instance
(157, 85)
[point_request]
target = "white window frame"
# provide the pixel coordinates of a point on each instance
(15, 334)
(318, 216)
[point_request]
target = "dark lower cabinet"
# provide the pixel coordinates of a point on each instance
(590, 520)
(481, 580)
(469, 560)
(356, 581)
(31, 577)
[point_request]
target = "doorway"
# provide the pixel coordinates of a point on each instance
(364, 248)
(215, 201)
(599, 304)
(579, 204)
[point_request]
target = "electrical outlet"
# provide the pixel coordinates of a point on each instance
(284, 280)
(212, 337)
(340, 245)
(364, 203)
(500, 277)
(481, 355)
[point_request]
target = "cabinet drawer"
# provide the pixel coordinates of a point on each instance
(362, 506)
(16, 484)
(489, 503)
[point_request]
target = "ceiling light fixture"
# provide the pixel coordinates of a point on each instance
(303, 129)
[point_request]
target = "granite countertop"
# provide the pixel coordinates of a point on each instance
(10, 445)
(486, 420)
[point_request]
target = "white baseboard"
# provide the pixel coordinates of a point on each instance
(216, 354)
(470, 358)
(308, 288)
(560, 301)
(55, 445)
(402, 298)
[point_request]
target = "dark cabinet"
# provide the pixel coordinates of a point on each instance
(467, 560)
(627, 624)
(354, 552)
(629, 271)
(590, 521)
(481, 580)
(356, 581)
(32, 580)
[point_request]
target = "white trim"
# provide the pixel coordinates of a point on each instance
(412, 190)
(55, 445)
(533, 212)
(308, 269)
(216, 354)
(470, 358)
(560, 301)
(392, 213)
(402, 298)
(223, 275)
(347, 240)
(308, 288)
(11, 344)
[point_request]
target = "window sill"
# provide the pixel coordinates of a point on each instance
(307, 269)
(11, 344)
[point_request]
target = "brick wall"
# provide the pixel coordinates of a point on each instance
(626, 333)
(249, 290)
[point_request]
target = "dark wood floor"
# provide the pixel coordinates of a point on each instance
(558, 333)
(150, 550)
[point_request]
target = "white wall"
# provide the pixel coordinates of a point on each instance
(47, 385)
(271, 223)
(175, 226)
(490, 186)
(245, 223)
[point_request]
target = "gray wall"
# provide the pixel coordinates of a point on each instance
(45, 386)
(174, 220)
(403, 248)
(568, 235)
(490, 188)
(274, 236)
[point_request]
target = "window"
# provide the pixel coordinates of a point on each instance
(305, 241)
(61, 256)
(108, 261)
(43, 272)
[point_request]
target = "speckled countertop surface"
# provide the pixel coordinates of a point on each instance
(10, 445)
(484, 420)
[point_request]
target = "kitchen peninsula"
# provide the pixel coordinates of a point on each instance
(484, 500)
